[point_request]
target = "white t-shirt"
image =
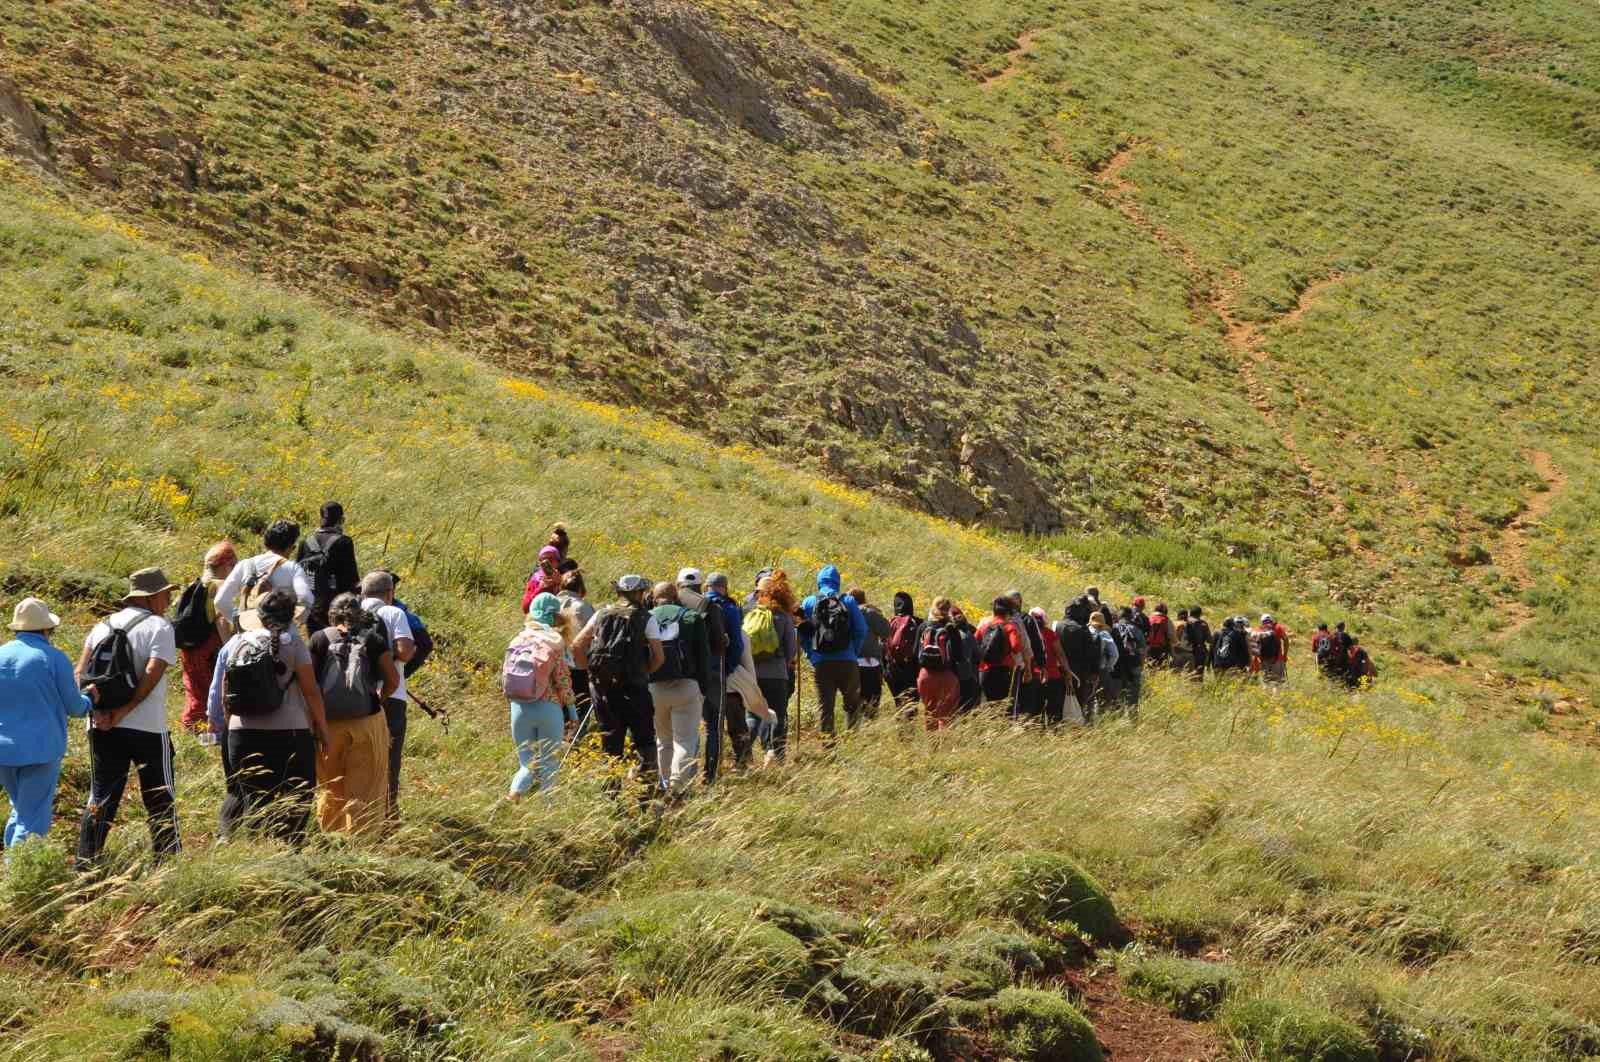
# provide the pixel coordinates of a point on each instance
(395, 622)
(287, 576)
(152, 638)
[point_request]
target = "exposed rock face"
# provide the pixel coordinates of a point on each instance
(1004, 481)
(21, 132)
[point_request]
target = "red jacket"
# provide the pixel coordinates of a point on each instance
(1013, 638)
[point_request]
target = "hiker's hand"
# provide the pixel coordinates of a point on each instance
(94, 694)
(103, 720)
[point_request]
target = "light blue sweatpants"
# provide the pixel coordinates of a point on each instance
(32, 789)
(536, 729)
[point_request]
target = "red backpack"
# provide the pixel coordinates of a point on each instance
(1160, 631)
(901, 648)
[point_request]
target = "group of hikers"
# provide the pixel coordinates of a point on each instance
(321, 715)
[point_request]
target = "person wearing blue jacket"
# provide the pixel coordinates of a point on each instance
(739, 736)
(832, 635)
(37, 694)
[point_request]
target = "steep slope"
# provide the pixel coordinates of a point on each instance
(1392, 874)
(875, 237)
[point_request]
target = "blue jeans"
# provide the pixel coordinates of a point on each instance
(32, 789)
(536, 729)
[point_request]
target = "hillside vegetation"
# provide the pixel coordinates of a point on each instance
(1307, 282)
(1304, 876)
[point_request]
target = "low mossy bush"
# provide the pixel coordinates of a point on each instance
(1044, 892)
(1294, 1032)
(1190, 988)
(236, 1021)
(984, 960)
(689, 938)
(888, 997)
(1033, 1025)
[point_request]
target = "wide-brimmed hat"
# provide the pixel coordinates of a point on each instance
(250, 618)
(31, 614)
(147, 582)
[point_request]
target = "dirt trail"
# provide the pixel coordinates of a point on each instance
(1133, 1031)
(1014, 59)
(1512, 556)
(1243, 337)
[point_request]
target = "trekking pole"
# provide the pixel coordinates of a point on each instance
(722, 708)
(442, 716)
(577, 735)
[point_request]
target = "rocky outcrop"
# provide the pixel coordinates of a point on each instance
(22, 134)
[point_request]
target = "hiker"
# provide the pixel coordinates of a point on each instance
(690, 595)
(620, 648)
(1058, 681)
(1181, 658)
(574, 598)
(775, 655)
(562, 542)
(832, 632)
(271, 570)
(356, 674)
(328, 557)
(901, 668)
(1198, 635)
(198, 635)
(377, 597)
(1000, 653)
(1140, 619)
(1159, 636)
(1272, 649)
(870, 662)
(1030, 686)
(717, 598)
(1339, 654)
(938, 649)
(676, 688)
(1109, 688)
(1082, 649)
(1321, 645)
(1359, 668)
(126, 657)
(1131, 649)
(38, 692)
(546, 577)
(1231, 651)
(966, 659)
(275, 722)
(538, 686)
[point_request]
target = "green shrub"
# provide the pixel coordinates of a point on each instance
(1040, 889)
(1294, 1032)
(34, 889)
(883, 997)
(229, 1021)
(1034, 1026)
(982, 961)
(367, 988)
(1189, 988)
(690, 1027)
(685, 938)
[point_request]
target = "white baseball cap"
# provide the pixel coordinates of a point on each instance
(688, 576)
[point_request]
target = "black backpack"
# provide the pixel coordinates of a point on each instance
(315, 562)
(996, 646)
(251, 685)
(1199, 634)
(831, 618)
(1030, 628)
(111, 668)
(1268, 645)
(1129, 653)
(933, 652)
(619, 654)
(191, 624)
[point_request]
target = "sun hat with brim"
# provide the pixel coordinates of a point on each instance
(147, 582)
(32, 615)
(544, 609)
(250, 619)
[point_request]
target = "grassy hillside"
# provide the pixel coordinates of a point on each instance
(1306, 876)
(1074, 283)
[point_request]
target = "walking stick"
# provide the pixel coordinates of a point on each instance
(442, 716)
(577, 735)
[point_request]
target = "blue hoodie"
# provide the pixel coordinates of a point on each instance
(733, 623)
(828, 583)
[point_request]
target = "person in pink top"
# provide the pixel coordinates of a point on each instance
(546, 578)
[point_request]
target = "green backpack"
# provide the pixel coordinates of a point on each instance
(762, 630)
